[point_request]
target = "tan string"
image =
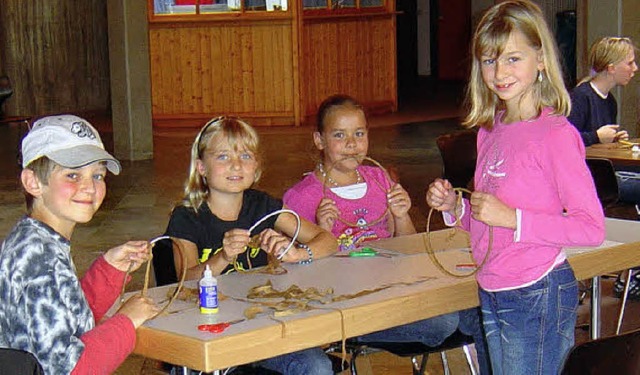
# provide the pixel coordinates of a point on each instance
(427, 241)
(147, 275)
(386, 173)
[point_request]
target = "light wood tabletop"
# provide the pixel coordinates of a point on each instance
(619, 153)
(416, 290)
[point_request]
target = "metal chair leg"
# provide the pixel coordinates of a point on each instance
(419, 368)
(445, 363)
(625, 295)
(467, 354)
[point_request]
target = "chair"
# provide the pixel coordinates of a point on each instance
(19, 362)
(618, 355)
(418, 351)
(164, 268)
(604, 178)
(459, 153)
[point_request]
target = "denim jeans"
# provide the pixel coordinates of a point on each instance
(304, 362)
(433, 331)
(530, 330)
(629, 186)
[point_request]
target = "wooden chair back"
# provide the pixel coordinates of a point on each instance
(618, 355)
(604, 177)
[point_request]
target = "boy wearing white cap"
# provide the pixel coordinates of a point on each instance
(44, 308)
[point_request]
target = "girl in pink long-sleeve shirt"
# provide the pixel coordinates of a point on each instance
(532, 187)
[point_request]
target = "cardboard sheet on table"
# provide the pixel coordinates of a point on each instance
(343, 275)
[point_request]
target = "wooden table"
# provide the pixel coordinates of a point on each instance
(175, 338)
(618, 153)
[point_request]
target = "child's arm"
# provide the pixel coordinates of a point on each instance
(102, 283)
(582, 222)
(321, 242)
(106, 346)
(399, 205)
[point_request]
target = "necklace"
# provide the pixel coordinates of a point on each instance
(333, 182)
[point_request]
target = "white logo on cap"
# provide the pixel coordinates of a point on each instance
(81, 129)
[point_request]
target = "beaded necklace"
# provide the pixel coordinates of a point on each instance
(333, 182)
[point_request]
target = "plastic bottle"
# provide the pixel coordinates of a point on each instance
(208, 293)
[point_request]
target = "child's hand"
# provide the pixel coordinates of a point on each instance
(491, 211)
(327, 214)
(399, 201)
(139, 309)
(273, 242)
(234, 242)
(440, 195)
(122, 257)
(295, 255)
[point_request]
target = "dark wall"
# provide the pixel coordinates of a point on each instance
(407, 44)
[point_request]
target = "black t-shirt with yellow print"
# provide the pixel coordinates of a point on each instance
(207, 230)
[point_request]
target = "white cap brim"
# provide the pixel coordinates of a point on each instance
(79, 156)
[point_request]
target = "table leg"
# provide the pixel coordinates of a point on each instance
(595, 307)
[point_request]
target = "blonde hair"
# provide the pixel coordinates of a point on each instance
(607, 51)
(490, 38)
(42, 168)
(239, 134)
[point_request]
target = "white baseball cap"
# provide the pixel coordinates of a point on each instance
(68, 140)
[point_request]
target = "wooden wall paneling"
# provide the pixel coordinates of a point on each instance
(226, 51)
(208, 71)
(248, 85)
(355, 56)
(235, 68)
(56, 55)
(260, 56)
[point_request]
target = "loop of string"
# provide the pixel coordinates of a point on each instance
(325, 187)
(147, 275)
(295, 234)
(429, 248)
(294, 238)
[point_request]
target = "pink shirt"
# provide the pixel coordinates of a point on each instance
(305, 196)
(538, 167)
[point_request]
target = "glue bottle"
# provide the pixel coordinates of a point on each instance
(208, 293)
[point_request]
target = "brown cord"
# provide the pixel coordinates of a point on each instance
(148, 274)
(386, 173)
(427, 242)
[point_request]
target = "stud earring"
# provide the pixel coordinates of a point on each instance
(540, 76)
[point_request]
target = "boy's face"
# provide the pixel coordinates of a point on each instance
(71, 196)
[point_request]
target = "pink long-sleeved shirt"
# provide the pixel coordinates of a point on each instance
(537, 167)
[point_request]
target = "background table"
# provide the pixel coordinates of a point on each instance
(175, 338)
(618, 153)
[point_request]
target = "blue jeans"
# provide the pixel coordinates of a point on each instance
(433, 331)
(530, 330)
(629, 186)
(304, 362)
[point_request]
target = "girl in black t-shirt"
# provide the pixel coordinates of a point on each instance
(219, 207)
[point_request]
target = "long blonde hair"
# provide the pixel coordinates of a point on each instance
(238, 133)
(490, 38)
(607, 51)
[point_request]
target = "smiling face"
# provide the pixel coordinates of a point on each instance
(227, 169)
(624, 70)
(72, 195)
(511, 75)
(344, 140)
